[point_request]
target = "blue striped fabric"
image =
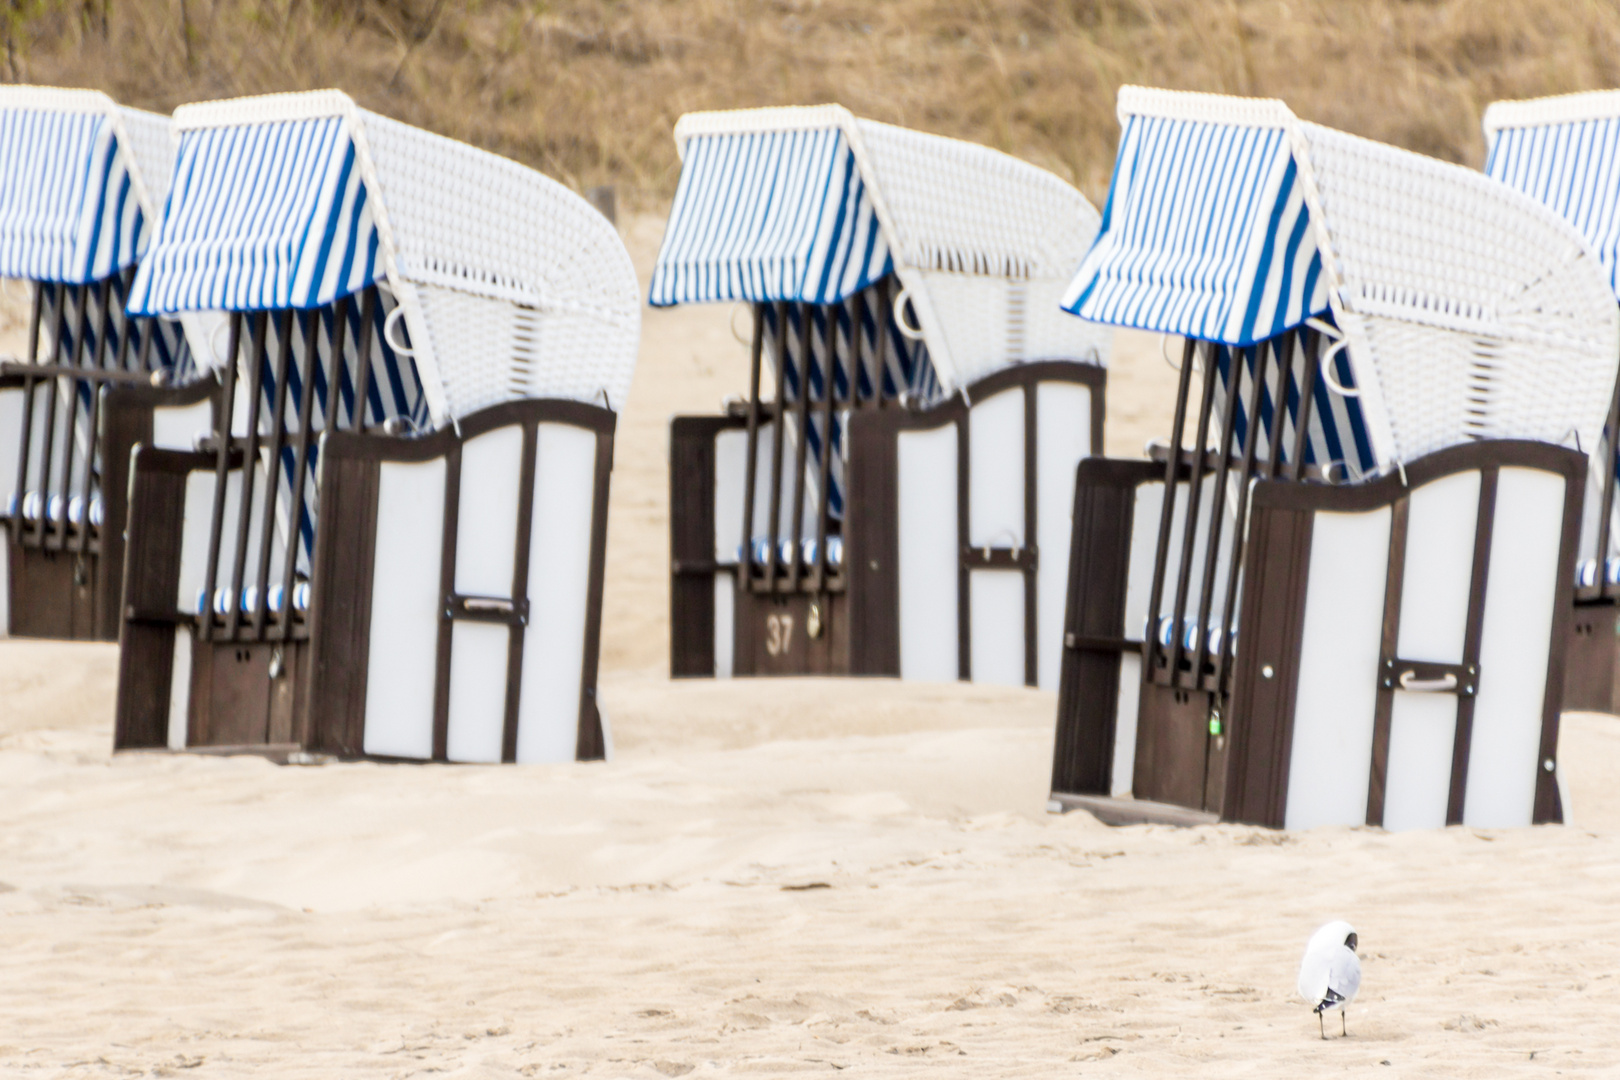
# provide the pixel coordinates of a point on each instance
(68, 209)
(260, 217)
(769, 216)
(394, 390)
(1574, 169)
(1205, 234)
(905, 370)
(1337, 436)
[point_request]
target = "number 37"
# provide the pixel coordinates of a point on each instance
(778, 633)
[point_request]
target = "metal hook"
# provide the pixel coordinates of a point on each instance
(907, 330)
(394, 316)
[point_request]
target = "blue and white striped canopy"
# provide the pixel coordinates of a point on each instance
(261, 217)
(68, 209)
(1572, 168)
(770, 216)
(1206, 234)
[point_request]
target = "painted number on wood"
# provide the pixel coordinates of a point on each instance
(778, 633)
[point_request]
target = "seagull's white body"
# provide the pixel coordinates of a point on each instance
(1330, 973)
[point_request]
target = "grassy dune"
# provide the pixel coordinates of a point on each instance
(588, 91)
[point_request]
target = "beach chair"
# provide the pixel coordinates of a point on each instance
(1565, 152)
(891, 498)
(1336, 597)
(81, 182)
(391, 544)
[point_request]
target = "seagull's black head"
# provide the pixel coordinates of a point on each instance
(1350, 942)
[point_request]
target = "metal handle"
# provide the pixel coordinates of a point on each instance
(1443, 685)
(478, 603)
(906, 329)
(388, 336)
(1326, 363)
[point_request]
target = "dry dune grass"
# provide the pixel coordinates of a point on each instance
(588, 91)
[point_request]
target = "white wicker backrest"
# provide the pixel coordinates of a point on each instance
(1476, 312)
(512, 286)
(982, 242)
(82, 181)
(1470, 310)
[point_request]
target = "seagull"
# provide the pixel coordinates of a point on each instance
(1330, 974)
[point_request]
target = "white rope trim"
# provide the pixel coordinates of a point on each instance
(1560, 109)
(1207, 108)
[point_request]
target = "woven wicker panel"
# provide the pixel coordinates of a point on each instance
(1471, 310)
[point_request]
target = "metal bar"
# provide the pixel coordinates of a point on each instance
(362, 363)
(520, 593)
(1172, 463)
(1031, 532)
(829, 395)
(802, 437)
(70, 451)
(776, 454)
(27, 417)
(1473, 632)
(250, 465)
(1251, 438)
(1609, 479)
(751, 466)
(272, 470)
(42, 371)
(306, 421)
(1279, 404)
(885, 316)
(49, 440)
(857, 348)
(1309, 342)
(1189, 532)
(143, 362)
(1217, 524)
(222, 462)
(125, 328)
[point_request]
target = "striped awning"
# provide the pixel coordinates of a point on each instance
(769, 216)
(1572, 167)
(1206, 235)
(261, 217)
(68, 209)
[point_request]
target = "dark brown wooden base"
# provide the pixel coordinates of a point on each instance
(792, 634)
(248, 694)
(1594, 646)
(53, 593)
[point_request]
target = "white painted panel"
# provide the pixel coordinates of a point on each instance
(405, 610)
(477, 691)
(180, 689)
(730, 479)
(194, 526)
(1139, 579)
(486, 521)
(1338, 670)
(1417, 787)
(559, 581)
(929, 557)
(996, 471)
(11, 415)
(996, 628)
(1442, 517)
(1130, 695)
(1520, 593)
(725, 624)
(177, 427)
(1062, 439)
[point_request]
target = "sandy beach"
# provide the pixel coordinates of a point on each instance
(770, 877)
